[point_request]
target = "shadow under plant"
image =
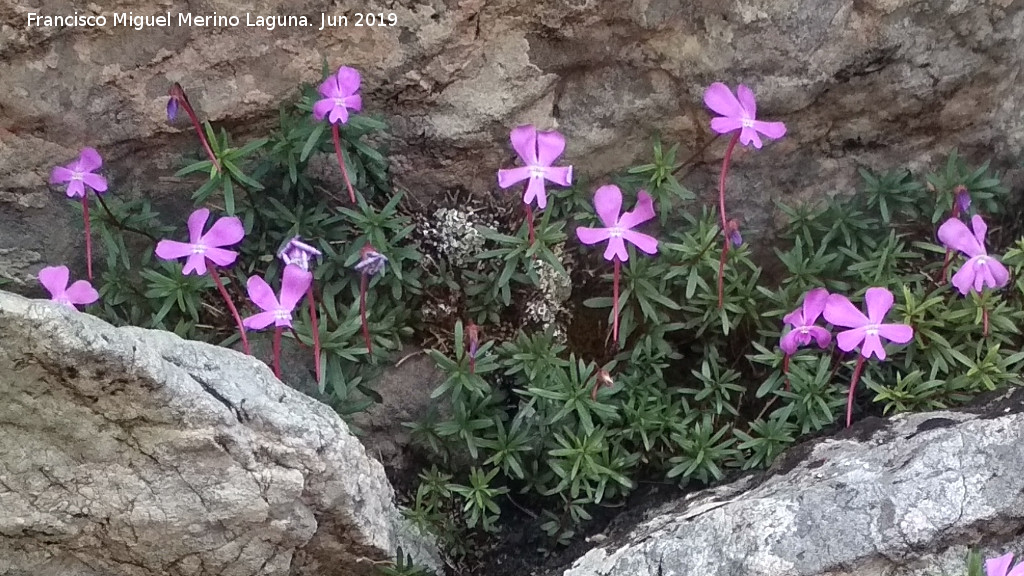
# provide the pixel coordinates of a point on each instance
(570, 378)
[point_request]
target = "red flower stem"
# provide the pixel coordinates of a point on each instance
(199, 132)
(529, 222)
(88, 233)
(341, 162)
(853, 389)
(593, 392)
(362, 314)
(472, 365)
(277, 352)
(231, 306)
(984, 318)
(785, 370)
(315, 329)
(721, 210)
(615, 301)
(945, 265)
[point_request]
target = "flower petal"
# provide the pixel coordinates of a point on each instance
(329, 88)
(898, 333)
(749, 136)
(294, 285)
(354, 102)
(261, 294)
(822, 336)
(196, 223)
(95, 181)
(998, 566)
(226, 231)
(89, 160)
(524, 141)
(591, 236)
(879, 302)
(794, 318)
(348, 80)
(82, 293)
(964, 277)
(59, 175)
(323, 108)
(338, 115)
(773, 130)
(980, 229)
(283, 322)
(535, 190)
(721, 100)
(608, 204)
(259, 321)
(76, 189)
(789, 343)
(955, 235)
(847, 340)
(872, 347)
(508, 177)
(196, 263)
(1000, 274)
(841, 312)
(172, 250)
(724, 125)
(561, 175)
(642, 212)
(814, 304)
(550, 146)
(645, 243)
(1018, 570)
(54, 279)
(220, 256)
(616, 249)
(746, 97)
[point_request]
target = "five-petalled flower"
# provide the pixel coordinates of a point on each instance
(619, 228)
(226, 231)
(80, 174)
(804, 330)
(866, 331)
(538, 150)
(55, 280)
(981, 270)
(277, 311)
(739, 114)
(339, 93)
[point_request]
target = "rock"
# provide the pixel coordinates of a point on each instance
(132, 452)
(909, 498)
(880, 83)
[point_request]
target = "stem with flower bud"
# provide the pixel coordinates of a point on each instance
(341, 162)
(853, 389)
(227, 300)
(721, 209)
(179, 94)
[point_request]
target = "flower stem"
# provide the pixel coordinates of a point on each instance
(529, 222)
(202, 135)
(316, 330)
(341, 162)
(362, 314)
(88, 233)
(853, 388)
(231, 305)
(945, 265)
(721, 210)
(615, 302)
(277, 352)
(785, 370)
(984, 319)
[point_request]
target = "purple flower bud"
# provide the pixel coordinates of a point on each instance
(963, 199)
(372, 263)
(297, 253)
(732, 229)
(172, 109)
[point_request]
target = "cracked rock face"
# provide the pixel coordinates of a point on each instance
(878, 83)
(132, 452)
(909, 499)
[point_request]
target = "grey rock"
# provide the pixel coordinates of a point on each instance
(908, 499)
(132, 452)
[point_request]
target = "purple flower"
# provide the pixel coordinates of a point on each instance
(371, 263)
(981, 270)
(277, 311)
(225, 232)
(538, 150)
(339, 96)
(739, 114)
(55, 280)
(803, 322)
(172, 109)
(79, 174)
(732, 229)
(608, 203)
(962, 197)
(866, 331)
(298, 253)
(1001, 566)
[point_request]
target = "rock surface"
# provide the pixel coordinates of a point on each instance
(132, 452)
(908, 498)
(883, 83)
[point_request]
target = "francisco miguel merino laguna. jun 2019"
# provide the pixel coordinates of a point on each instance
(269, 22)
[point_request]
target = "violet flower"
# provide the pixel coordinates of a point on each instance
(738, 115)
(371, 263)
(297, 253)
(865, 331)
(981, 270)
(1001, 566)
(277, 311)
(177, 98)
(538, 151)
(961, 204)
(804, 330)
(80, 176)
(618, 229)
(206, 251)
(340, 94)
(55, 280)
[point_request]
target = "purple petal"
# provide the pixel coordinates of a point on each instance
(965, 277)
(511, 176)
(773, 130)
(879, 302)
(550, 146)
(259, 321)
(724, 125)
(59, 175)
(814, 304)
(790, 342)
(980, 229)
(721, 100)
(172, 109)
(746, 99)
(643, 211)
(872, 347)
(1018, 570)
(89, 160)
(196, 223)
(353, 102)
(329, 88)
(748, 136)
(822, 336)
(954, 235)
(645, 243)
(535, 190)
(608, 204)
(847, 340)
(172, 250)
(95, 181)
(616, 249)
(226, 231)
(76, 189)
(220, 256)
(561, 175)
(322, 108)
(294, 285)
(524, 141)
(898, 333)
(999, 566)
(841, 312)
(1000, 275)
(591, 236)
(794, 318)
(54, 279)
(339, 114)
(196, 263)
(348, 80)
(261, 294)
(283, 322)
(82, 293)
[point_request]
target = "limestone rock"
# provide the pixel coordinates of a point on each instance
(908, 499)
(132, 452)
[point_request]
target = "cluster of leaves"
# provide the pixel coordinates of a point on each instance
(699, 390)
